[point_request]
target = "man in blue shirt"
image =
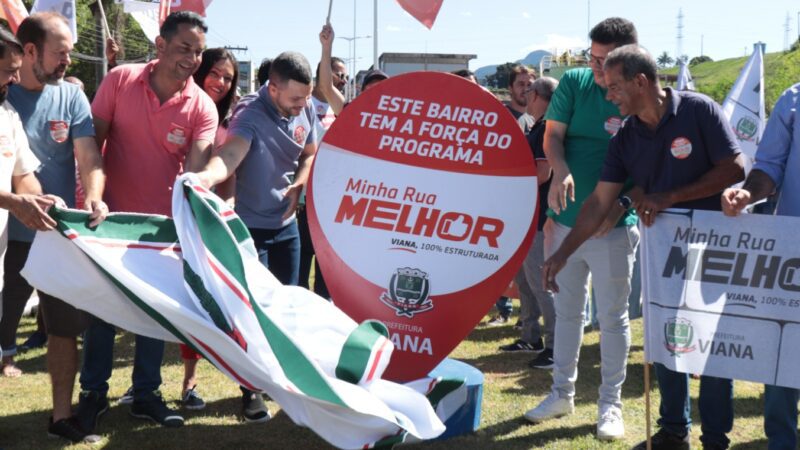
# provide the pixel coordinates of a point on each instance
(58, 124)
(679, 151)
(778, 154)
(271, 144)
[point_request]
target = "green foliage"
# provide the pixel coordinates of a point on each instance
(699, 59)
(716, 78)
(499, 79)
(664, 60)
(134, 44)
(510, 388)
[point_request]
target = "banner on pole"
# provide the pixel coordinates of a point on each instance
(422, 202)
(423, 10)
(685, 81)
(64, 7)
(744, 106)
(722, 295)
(14, 12)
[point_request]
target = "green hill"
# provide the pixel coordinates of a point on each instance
(716, 78)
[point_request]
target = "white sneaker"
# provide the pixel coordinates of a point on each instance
(610, 425)
(550, 408)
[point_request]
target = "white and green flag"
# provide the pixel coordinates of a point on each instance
(197, 280)
(744, 106)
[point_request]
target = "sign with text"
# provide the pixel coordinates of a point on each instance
(422, 203)
(722, 295)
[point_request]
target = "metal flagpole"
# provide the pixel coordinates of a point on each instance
(375, 37)
(103, 18)
(647, 404)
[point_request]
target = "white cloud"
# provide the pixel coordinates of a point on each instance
(526, 15)
(393, 28)
(557, 42)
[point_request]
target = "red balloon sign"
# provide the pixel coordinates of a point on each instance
(422, 205)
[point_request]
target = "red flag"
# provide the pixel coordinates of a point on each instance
(423, 10)
(163, 10)
(14, 12)
(167, 7)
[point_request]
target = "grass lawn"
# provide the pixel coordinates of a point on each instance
(510, 389)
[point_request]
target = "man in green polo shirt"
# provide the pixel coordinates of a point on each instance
(580, 123)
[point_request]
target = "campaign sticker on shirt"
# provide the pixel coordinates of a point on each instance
(176, 135)
(59, 130)
(612, 125)
(6, 147)
(422, 206)
(300, 134)
(681, 147)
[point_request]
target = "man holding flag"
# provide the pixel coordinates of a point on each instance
(155, 123)
(58, 124)
(778, 155)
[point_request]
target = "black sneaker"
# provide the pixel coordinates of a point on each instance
(37, 340)
(664, 440)
(71, 430)
(152, 407)
(543, 361)
(91, 405)
(521, 346)
(192, 400)
(127, 397)
(254, 409)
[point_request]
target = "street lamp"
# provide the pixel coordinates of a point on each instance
(351, 51)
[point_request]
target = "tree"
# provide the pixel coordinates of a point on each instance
(664, 60)
(699, 59)
(499, 79)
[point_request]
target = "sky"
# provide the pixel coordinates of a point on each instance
(497, 31)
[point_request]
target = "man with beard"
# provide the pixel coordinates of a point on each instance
(155, 123)
(271, 144)
(58, 125)
(16, 170)
(519, 80)
(580, 122)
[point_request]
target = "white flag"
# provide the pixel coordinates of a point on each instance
(685, 81)
(197, 280)
(744, 107)
(145, 13)
(64, 7)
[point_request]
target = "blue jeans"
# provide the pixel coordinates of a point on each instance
(279, 251)
(98, 359)
(780, 416)
(504, 307)
(715, 404)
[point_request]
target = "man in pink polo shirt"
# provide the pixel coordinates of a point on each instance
(155, 123)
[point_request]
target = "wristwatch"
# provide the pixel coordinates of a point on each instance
(625, 202)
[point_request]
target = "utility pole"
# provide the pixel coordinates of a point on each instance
(588, 19)
(679, 43)
(702, 36)
(786, 29)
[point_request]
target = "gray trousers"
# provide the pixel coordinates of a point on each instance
(610, 260)
(535, 302)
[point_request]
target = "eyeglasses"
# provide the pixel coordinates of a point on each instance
(595, 59)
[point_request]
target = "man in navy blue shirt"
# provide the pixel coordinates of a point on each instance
(678, 150)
